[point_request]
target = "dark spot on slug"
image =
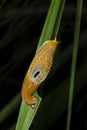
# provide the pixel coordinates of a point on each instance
(36, 74)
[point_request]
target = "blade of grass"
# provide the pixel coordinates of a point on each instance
(26, 115)
(56, 29)
(10, 107)
(67, 53)
(74, 58)
(57, 100)
(50, 22)
(59, 17)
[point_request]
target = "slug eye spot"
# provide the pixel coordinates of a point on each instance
(36, 74)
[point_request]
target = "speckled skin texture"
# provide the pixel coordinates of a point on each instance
(38, 70)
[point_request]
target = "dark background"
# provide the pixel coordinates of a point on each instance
(21, 23)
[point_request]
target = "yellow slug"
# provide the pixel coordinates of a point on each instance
(38, 71)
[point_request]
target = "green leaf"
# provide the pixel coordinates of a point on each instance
(26, 115)
(74, 59)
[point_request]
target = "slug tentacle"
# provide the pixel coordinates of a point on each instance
(38, 70)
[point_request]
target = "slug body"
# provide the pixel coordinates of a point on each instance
(38, 70)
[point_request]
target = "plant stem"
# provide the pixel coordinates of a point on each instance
(74, 58)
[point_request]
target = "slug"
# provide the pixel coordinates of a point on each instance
(38, 71)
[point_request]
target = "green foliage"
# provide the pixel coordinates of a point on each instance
(21, 23)
(74, 59)
(26, 115)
